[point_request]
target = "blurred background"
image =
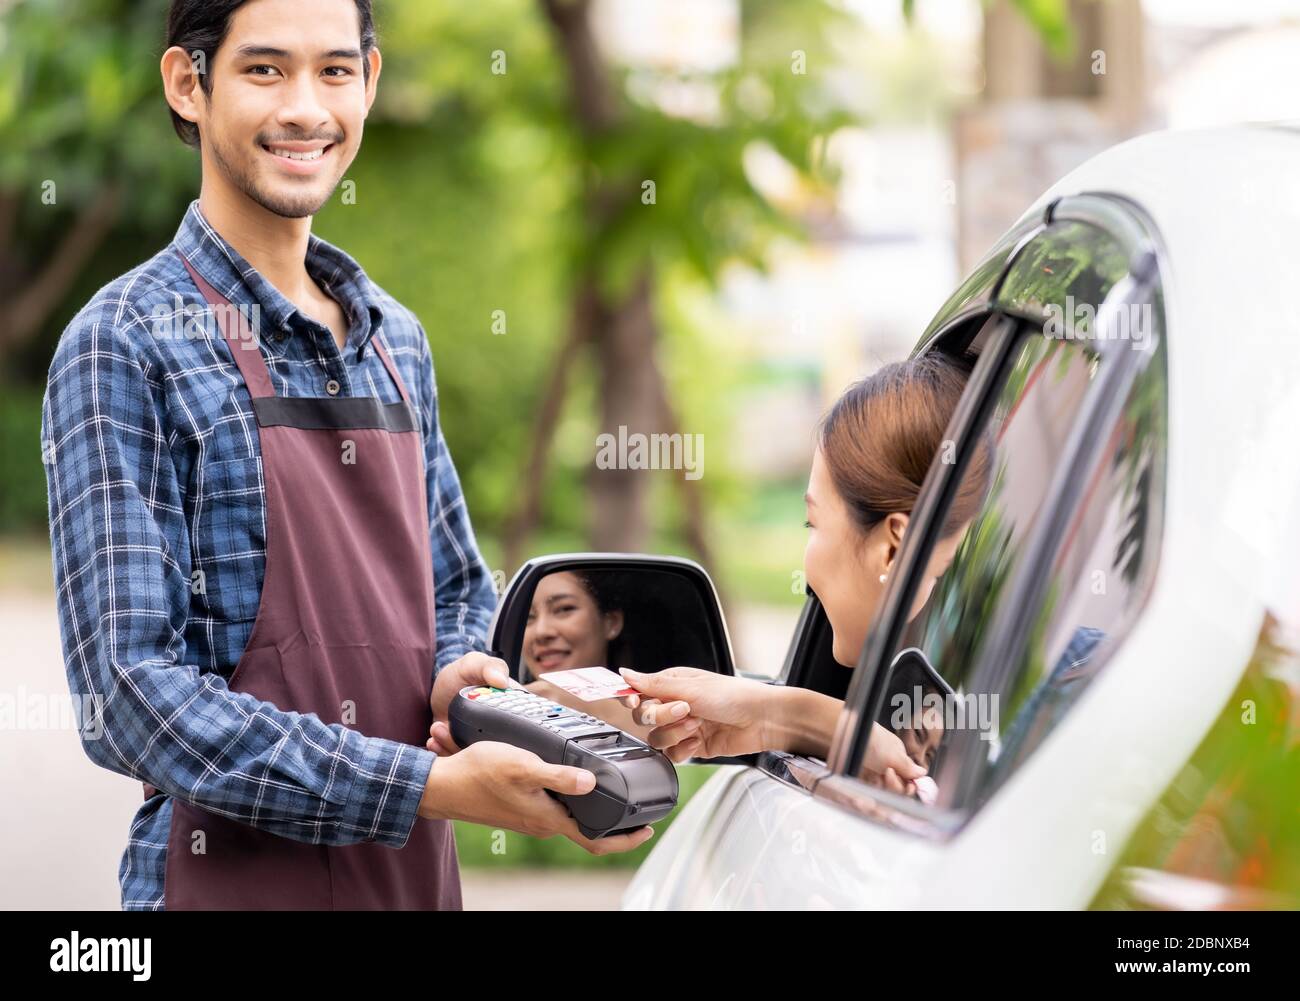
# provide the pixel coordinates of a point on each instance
(688, 216)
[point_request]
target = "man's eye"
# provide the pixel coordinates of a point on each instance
(338, 71)
(261, 70)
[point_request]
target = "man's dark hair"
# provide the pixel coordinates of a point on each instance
(201, 26)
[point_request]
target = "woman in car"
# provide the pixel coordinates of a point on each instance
(575, 620)
(578, 620)
(873, 451)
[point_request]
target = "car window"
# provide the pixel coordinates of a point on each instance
(971, 721)
(999, 714)
(1095, 589)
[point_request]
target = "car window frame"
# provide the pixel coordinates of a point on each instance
(964, 325)
(1129, 226)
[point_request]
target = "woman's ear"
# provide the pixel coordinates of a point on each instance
(613, 625)
(895, 526)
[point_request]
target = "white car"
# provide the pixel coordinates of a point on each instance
(1134, 351)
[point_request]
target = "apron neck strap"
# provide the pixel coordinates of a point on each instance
(388, 364)
(243, 342)
(241, 338)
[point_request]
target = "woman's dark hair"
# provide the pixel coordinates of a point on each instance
(606, 592)
(201, 26)
(647, 642)
(881, 436)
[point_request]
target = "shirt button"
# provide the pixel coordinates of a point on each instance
(332, 387)
(280, 335)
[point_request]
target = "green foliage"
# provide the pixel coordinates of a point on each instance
(23, 504)
(965, 603)
(480, 243)
(483, 138)
(471, 189)
(1051, 19)
(1071, 259)
(1230, 815)
(81, 105)
(707, 213)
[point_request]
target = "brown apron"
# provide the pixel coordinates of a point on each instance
(345, 627)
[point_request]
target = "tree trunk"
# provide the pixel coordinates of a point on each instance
(629, 399)
(520, 524)
(623, 333)
(694, 522)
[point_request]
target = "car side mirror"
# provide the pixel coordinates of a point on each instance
(915, 708)
(610, 610)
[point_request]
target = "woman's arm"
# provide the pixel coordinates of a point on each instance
(730, 716)
(804, 721)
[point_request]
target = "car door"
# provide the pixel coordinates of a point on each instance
(1049, 580)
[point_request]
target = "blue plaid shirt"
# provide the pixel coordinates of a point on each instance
(157, 523)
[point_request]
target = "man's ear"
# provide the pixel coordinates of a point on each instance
(181, 87)
(375, 62)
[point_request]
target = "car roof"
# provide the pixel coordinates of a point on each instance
(1225, 205)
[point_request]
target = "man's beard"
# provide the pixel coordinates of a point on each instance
(288, 206)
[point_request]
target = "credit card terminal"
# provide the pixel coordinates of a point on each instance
(635, 784)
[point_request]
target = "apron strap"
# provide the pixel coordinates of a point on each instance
(244, 344)
(242, 340)
(392, 369)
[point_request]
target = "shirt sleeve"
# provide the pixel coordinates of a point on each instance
(463, 588)
(121, 552)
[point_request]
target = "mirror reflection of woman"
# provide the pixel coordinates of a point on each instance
(575, 621)
(874, 449)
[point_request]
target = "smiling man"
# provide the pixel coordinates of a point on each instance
(267, 578)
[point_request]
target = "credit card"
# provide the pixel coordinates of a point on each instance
(591, 684)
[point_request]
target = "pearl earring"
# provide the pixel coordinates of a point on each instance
(882, 578)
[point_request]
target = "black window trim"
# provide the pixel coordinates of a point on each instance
(802, 646)
(1009, 631)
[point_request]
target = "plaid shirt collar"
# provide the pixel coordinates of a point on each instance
(336, 272)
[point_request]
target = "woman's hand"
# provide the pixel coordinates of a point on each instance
(888, 764)
(699, 714)
(613, 711)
